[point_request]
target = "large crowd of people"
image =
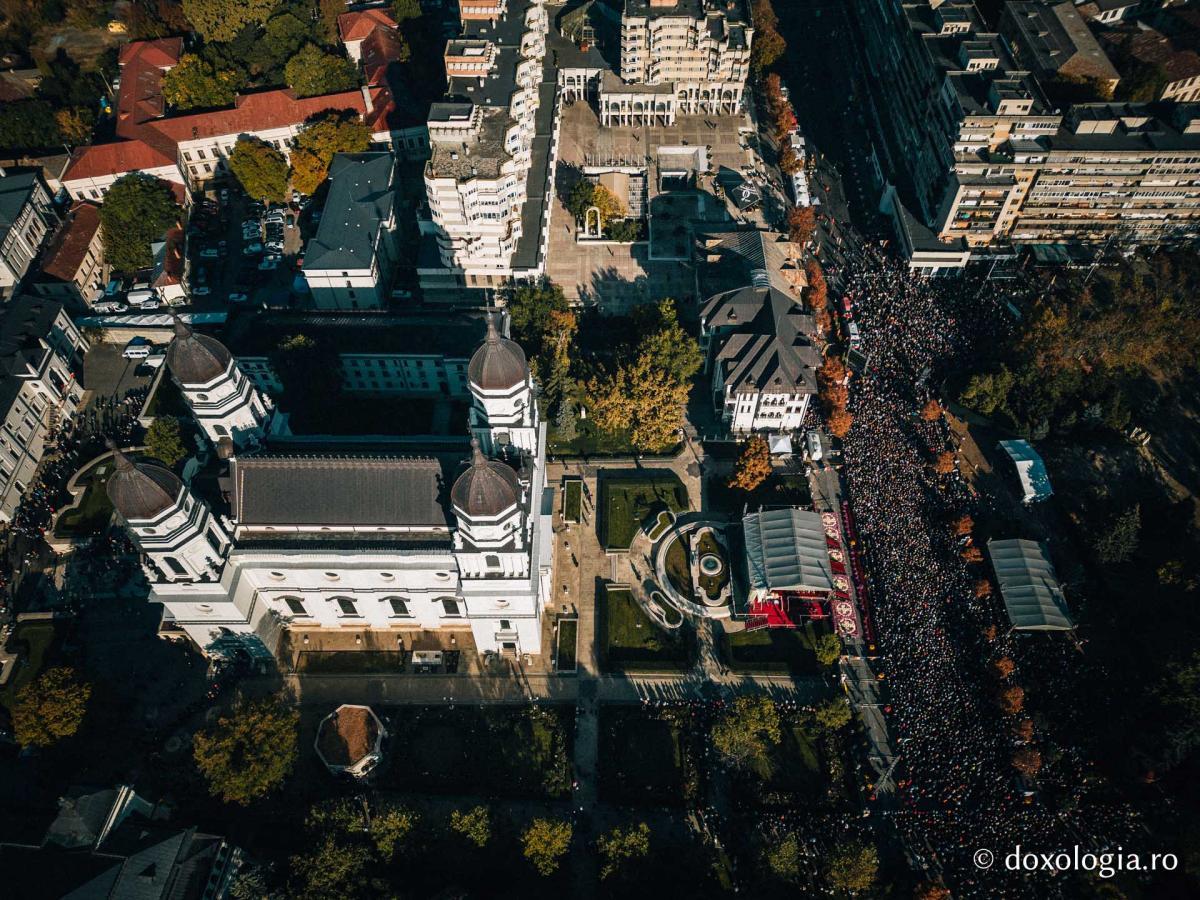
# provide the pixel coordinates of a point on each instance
(958, 790)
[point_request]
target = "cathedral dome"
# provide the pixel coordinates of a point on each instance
(486, 489)
(499, 364)
(195, 358)
(141, 490)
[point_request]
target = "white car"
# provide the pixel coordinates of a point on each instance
(252, 249)
(210, 253)
(107, 306)
(239, 298)
(269, 264)
(275, 246)
(248, 233)
(202, 291)
(138, 348)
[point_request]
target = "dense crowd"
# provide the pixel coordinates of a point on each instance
(958, 792)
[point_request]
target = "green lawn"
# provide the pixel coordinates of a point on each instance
(800, 769)
(573, 500)
(631, 641)
(627, 502)
(568, 634)
(678, 571)
(486, 751)
(662, 522)
(35, 639)
(94, 510)
(641, 758)
(774, 650)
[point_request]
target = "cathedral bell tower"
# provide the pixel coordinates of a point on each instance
(504, 416)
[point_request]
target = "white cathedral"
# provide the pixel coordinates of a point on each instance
(317, 538)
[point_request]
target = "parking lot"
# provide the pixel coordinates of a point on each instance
(107, 373)
(240, 253)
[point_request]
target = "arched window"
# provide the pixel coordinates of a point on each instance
(492, 561)
(399, 607)
(346, 607)
(295, 606)
(450, 608)
(174, 565)
(221, 430)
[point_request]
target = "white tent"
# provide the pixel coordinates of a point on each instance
(786, 551)
(1029, 586)
(1035, 480)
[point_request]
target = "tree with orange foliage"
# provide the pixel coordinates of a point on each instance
(790, 162)
(932, 411)
(989, 633)
(1012, 699)
(930, 890)
(1023, 730)
(839, 422)
(944, 463)
(1003, 667)
(972, 555)
(964, 525)
(802, 223)
(1027, 761)
(818, 291)
(983, 588)
(753, 466)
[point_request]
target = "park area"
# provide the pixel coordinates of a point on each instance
(626, 503)
(518, 752)
(92, 511)
(632, 642)
(644, 755)
(775, 650)
(572, 500)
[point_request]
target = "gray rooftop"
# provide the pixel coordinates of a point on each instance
(786, 550)
(14, 194)
(339, 490)
(1029, 586)
(360, 201)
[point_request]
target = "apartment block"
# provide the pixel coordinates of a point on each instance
(26, 220)
(73, 266)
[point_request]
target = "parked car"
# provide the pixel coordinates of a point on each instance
(202, 291)
(154, 360)
(137, 348)
(146, 305)
(269, 263)
(209, 253)
(106, 307)
(252, 249)
(239, 298)
(224, 195)
(140, 295)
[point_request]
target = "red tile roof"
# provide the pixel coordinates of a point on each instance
(111, 159)
(70, 244)
(172, 264)
(379, 50)
(355, 26)
(163, 53)
(255, 112)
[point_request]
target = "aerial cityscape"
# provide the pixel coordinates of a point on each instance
(599, 448)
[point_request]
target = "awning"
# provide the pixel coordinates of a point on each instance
(1030, 589)
(786, 551)
(1035, 480)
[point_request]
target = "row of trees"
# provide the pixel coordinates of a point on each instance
(768, 45)
(61, 111)
(834, 394)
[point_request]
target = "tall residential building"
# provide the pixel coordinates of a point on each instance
(489, 176)
(699, 47)
(41, 357)
(26, 219)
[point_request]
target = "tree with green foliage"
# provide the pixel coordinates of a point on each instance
(283, 37)
(853, 868)
(625, 231)
(1119, 540)
(322, 137)
(475, 825)
(137, 210)
(164, 441)
(622, 845)
(768, 45)
(221, 20)
(28, 126)
(747, 732)
(75, 125)
(327, 16)
(50, 708)
(545, 842)
(987, 392)
(753, 465)
(312, 72)
(672, 350)
(406, 10)
(194, 83)
(390, 827)
(834, 714)
(828, 649)
(579, 199)
(260, 169)
(248, 753)
(334, 868)
(783, 858)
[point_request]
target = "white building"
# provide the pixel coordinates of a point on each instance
(26, 219)
(334, 540)
(350, 262)
(41, 353)
(491, 167)
(758, 338)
